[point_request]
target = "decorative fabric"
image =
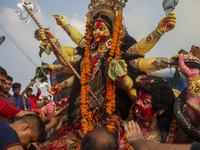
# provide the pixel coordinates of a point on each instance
(116, 69)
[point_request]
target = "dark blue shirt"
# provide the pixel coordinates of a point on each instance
(195, 146)
(8, 136)
(19, 103)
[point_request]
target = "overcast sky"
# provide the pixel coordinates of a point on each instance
(140, 17)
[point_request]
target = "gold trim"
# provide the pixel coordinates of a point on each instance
(193, 79)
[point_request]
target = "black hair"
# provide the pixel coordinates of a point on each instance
(9, 78)
(29, 89)
(100, 139)
(105, 19)
(162, 97)
(3, 71)
(36, 122)
(16, 85)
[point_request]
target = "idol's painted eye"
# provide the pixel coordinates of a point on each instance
(144, 101)
(102, 28)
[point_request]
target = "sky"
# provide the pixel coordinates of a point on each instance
(19, 52)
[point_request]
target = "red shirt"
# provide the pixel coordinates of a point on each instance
(34, 99)
(7, 110)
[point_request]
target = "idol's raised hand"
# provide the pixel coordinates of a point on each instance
(167, 23)
(60, 20)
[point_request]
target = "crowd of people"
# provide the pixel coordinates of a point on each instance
(100, 85)
(24, 119)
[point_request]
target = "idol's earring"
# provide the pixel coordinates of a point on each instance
(109, 42)
(94, 44)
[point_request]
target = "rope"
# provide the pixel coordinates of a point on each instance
(9, 36)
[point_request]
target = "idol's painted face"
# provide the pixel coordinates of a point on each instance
(143, 109)
(100, 32)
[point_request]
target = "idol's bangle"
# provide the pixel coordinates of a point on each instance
(193, 85)
(67, 27)
(157, 34)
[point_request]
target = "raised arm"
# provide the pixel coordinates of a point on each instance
(148, 42)
(75, 35)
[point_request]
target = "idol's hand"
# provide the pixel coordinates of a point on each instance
(60, 20)
(167, 23)
(54, 90)
(185, 70)
(46, 35)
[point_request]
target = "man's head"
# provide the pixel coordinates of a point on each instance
(3, 75)
(16, 87)
(155, 93)
(99, 139)
(29, 92)
(46, 100)
(8, 84)
(29, 127)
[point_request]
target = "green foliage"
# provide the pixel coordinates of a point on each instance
(41, 72)
(176, 77)
(182, 51)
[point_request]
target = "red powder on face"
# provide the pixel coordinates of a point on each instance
(146, 109)
(98, 23)
(99, 36)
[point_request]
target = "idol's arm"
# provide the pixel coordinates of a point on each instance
(150, 64)
(148, 42)
(75, 35)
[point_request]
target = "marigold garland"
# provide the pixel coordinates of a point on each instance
(131, 115)
(85, 88)
(172, 132)
(85, 77)
(131, 112)
(126, 146)
(114, 51)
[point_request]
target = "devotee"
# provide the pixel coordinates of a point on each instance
(154, 107)
(192, 95)
(45, 101)
(3, 75)
(29, 94)
(135, 138)
(32, 100)
(99, 139)
(21, 104)
(49, 108)
(22, 132)
(7, 110)
(6, 95)
(39, 102)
